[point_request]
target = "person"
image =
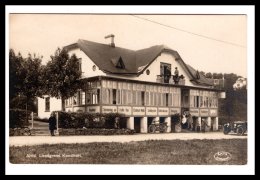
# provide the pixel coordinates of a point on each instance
(156, 121)
(117, 125)
(176, 76)
(176, 72)
(190, 122)
(184, 121)
(52, 123)
(167, 74)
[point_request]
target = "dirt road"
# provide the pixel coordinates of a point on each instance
(35, 140)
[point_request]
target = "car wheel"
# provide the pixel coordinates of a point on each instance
(225, 132)
(240, 131)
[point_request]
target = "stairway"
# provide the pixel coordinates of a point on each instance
(40, 128)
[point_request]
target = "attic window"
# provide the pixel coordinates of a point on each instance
(118, 63)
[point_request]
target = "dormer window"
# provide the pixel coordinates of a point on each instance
(118, 63)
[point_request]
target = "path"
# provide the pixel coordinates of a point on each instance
(35, 140)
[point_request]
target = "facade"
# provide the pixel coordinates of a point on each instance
(46, 105)
(144, 85)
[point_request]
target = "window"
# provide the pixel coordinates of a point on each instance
(75, 100)
(83, 98)
(96, 96)
(165, 70)
(88, 98)
(147, 99)
(167, 97)
(142, 98)
(120, 64)
(47, 104)
(80, 63)
(118, 96)
(94, 67)
(114, 96)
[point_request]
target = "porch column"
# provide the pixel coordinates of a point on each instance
(208, 124)
(216, 123)
(168, 120)
(130, 123)
(143, 125)
(198, 123)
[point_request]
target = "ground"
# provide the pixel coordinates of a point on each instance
(173, 148)
(36, 140)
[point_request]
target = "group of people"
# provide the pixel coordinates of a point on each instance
(176, 76)
(187, 121)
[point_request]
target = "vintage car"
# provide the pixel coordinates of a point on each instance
(238, 127)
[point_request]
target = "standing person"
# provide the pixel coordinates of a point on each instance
(117, 125)
(176, 76)
(190, 122)
(176, 72)
(52, 123)
(167, 74)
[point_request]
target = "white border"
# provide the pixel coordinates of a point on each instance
(143, 169)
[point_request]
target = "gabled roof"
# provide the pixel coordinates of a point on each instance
(107, 59)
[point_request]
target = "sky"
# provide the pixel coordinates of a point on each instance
(209, 43)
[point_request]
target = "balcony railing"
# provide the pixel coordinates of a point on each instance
(170, 79)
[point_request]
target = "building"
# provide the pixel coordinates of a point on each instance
(145, 85)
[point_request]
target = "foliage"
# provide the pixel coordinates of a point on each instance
(95, 131)
(176, 118)
(17, 118)
(16, 75)
(88, 120)
(61, 75)
(19, 102)
(234, 106)
(208, 75)
(25, 80)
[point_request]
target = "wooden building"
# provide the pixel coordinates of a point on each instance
(145, 85)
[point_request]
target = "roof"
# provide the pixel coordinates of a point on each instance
(199, 78)
(117, 60)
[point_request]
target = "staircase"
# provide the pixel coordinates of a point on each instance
(40, 128)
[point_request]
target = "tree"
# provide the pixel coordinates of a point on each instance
(16, 75)
(208, 75)
(220, 76)
(61, 75)
(25, 80)
(32, 83)
(203, 73)
(215, 76)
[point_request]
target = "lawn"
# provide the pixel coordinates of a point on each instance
(144, 152)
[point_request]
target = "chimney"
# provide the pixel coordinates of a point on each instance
(112, 39)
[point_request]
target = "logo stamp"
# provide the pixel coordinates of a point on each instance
(222, 156)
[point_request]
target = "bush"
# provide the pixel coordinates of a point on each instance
(110, 119)
(95, 131)
(80, 120)
(176, 118)
(17, 118)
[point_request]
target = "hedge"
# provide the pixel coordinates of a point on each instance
(94, 131)
(79, 120)
(17, 118)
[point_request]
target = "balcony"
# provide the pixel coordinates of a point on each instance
(171, 79)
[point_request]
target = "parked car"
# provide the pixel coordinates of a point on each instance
(238, 127)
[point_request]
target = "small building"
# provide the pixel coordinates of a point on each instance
(145, 85)
(46, 105)
(240, 83)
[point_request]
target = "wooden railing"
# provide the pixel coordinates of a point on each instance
(170, 79)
